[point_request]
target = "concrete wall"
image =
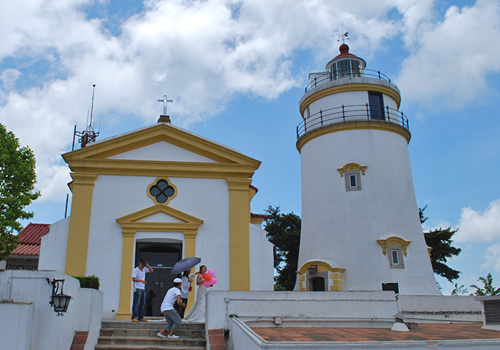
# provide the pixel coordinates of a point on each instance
(28, 321)
(54, 245)
(339, 309)
(432, 308)
(261, 260)
(301, 308)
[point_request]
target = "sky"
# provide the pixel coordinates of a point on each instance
(236, 70)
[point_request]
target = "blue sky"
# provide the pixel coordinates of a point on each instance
(236, 71)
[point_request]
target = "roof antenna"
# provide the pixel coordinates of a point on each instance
(88, 135)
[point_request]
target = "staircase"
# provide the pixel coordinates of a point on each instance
(126, 335)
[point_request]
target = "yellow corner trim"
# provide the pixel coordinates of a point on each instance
(79, 224)
(354, 125)
(351, 166)
(393, 241)
(348, 88)
(239, 232)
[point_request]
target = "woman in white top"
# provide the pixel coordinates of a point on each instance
(197, 312)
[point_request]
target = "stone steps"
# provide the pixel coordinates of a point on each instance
(142, 336)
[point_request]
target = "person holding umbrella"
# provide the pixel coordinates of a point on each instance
(185, 288)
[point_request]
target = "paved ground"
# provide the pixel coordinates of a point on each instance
(425, 331)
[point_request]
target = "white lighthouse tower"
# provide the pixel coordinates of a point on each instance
(360, 222)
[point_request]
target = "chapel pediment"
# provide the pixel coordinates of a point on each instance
(159, 149)
(159, 218)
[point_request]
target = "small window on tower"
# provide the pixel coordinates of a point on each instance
(352, 180)
(395, 257)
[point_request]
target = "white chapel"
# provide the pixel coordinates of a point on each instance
(162, 193)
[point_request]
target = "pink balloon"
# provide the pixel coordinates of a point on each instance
(207, 284)
(211, 272)
(213, 280)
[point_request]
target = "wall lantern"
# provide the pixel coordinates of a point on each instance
(312, 270)
(59, 300)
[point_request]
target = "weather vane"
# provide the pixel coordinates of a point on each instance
(344, 36)
(165, 101)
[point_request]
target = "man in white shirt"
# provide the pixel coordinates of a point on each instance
(139, 278)
(167, 309)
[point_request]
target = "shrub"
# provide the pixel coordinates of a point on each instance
(88, 281)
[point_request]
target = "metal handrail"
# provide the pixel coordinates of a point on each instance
(350, 113)
(345, 74)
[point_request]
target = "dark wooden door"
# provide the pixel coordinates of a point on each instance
(161, 257)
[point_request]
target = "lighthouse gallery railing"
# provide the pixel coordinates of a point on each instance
(351, 113)
(323, 77)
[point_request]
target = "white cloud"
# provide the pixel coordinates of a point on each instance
(476, 226)
(451, 59)
(9, 77)
(199, 53)
(492, 257)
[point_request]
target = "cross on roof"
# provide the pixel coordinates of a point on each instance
(165, 100)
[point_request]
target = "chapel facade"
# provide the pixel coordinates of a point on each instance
(162, 193)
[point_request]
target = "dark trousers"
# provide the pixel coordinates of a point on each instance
(139, 303)
(181, 309)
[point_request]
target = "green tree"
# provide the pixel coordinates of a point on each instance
(459, 290)
(17, 189)
(441, 243)
(284, 232)
(488, 288)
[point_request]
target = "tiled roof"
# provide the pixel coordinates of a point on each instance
(425, 331)
(31, 239)
(262, 216)
(27, 249)
(32, 234)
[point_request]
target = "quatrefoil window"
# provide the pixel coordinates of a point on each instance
(161, 191)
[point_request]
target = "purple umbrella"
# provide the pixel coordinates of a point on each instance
(185, 264)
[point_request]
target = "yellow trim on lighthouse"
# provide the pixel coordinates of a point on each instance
(349, 88)
(354, 125)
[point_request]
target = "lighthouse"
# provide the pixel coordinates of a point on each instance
(360, 221)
